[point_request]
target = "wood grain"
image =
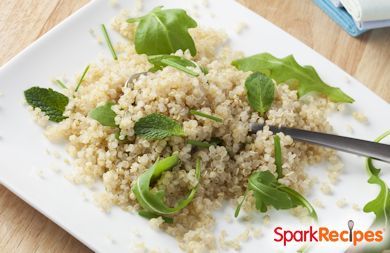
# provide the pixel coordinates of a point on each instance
(22, 229)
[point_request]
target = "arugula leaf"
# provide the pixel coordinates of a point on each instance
(152, 201)
(177, 62)
(260, 90)
(104, 115)
(205, 115)
(380, 206)
(278, 156)
(268, 191)
(164, 32)
(108, 41)
(298, 200)
(150, 215)
(50, 102)
(238, 208)
(289, 71)
(157, 126)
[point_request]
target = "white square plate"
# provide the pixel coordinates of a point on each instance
(69, 47)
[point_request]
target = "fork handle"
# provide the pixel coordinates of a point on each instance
(378, 151)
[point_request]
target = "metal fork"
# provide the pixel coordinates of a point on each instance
(129, 82)
(378, 151)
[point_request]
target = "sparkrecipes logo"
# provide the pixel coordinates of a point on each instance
(324, 234)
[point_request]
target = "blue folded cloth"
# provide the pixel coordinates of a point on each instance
(340, 16)
(367, 14)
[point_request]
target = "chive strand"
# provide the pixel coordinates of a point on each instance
(179, 67)
(199, 144)
(201, 114)
(108, 41)
(61, 84)
(82, 78)
(278, 156)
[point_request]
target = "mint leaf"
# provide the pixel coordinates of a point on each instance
(157, 126)
(104, 115)
(205, 115)
(269, 192)
(152, 201)
(260, 91)
(278, 156)
(50, 102)
(380, 206)
(164, 32)
(177, 62)
(287, 70)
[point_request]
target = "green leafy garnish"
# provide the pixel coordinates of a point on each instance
(108, 41)
(82, 78)
(199, 144)
(204, 144)
(104, 115)
(61, 84)
(268, 191)
(260, 91)
(287, 70)
(205, 115)
(164, 32)
(204, 69)
(153, 201)
(380, 206)
(157, 126)
(278, 156)
(50, 102)
(150, 215)
(177, 62)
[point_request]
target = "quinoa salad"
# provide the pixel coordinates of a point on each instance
(165, 125)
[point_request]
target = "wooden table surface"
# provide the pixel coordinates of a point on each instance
(22, 229)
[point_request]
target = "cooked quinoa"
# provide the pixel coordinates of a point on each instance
(100, 156)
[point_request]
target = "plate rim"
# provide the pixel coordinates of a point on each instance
(79, 12)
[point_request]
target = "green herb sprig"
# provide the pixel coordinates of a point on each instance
(104, 115)
(199, 144)
(380, 206)
(150, 215)
(164, 32)
(286, 70)
(260, 91)
(157, 126)
(205, 115)
(269, 192)
(152, 202)
(50, 102)
(60, 83)
(82, 78)
(108, 41)
(174, 61)
(278, 156)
